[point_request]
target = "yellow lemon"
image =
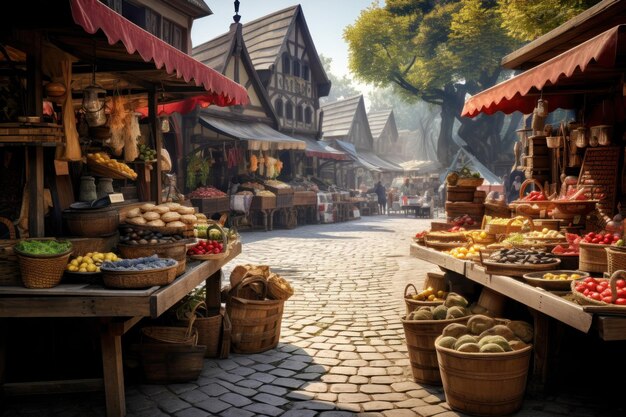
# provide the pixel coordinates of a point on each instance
(91, 268)
(73, 268)
(84, 265)
(82, 270)
(74, 262)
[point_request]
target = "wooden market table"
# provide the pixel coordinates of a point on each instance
(118, 310)
(544, 305)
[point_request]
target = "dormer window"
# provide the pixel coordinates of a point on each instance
(278, 106)
(286, 63)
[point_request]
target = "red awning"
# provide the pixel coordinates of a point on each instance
(598, 53)
(92, 16)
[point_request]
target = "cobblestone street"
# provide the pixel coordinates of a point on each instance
(342, 350)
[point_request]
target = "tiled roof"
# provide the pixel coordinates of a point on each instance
(215, 52)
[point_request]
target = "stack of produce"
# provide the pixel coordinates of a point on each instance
(487, 335)
(90, 262)
(454, 307)
(206, 192)
(170, 215)
(102, 159)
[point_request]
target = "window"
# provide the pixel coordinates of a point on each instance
(278, 106)
(153, 23)
(296, 68)
(289, 110)
(299, 113)
(115, 5)
(308, 115)
(305, 72)
(286, 63)
(172, 34)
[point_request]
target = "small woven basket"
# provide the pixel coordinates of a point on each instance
(42, 271)
(583, 300)
(187, 335)
(140, 279)
(412, 304)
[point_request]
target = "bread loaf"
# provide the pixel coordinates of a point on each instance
(157, 223)
(188, 218)
(147, 207)
(151, 215)
(170, 216)
(175, 224)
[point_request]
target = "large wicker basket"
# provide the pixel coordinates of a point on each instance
(42, 271)
(141, 278)
(592, 257)
(255, 323)
(615, 258)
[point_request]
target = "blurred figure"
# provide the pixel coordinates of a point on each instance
(381, 192)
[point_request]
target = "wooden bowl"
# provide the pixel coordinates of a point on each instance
(536, 279)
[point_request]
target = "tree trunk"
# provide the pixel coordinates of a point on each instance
(450, 109)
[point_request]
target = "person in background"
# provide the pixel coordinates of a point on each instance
(381, 192)
(405, 189)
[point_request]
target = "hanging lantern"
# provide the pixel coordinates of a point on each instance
(165, 124)
(93, 105)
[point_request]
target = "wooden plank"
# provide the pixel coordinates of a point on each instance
(73, 306)
(166, 297)
(536, 298)
(53, 387)
(82, 289)
(611, 327)
(213, 291)
(438, 258)
(113, 372)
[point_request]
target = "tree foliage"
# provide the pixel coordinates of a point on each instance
(441, 50)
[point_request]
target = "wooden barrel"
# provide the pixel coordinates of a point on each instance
(420, 341)
(91, 222)
(484, 384)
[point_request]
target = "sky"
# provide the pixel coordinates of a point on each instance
(326, 20)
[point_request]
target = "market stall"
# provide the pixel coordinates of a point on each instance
(86, 90)
(553, 248)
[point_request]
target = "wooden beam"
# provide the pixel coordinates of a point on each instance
(121, 327)
(53, 387)
(113, 372)
(153, 116)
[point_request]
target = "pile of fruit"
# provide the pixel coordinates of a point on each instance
(603, 238)
(544, 234)
(206, 247)
(146, 153)
(521, 257)
(486, 335)
(462, 221)
(535, 196)
(103, 158)
(462, 252)
(206, 192)
(600, 290)
(454, 307)
(429, 294)
(480, 236)
(90, 262)
(572, 248)
(560, 276)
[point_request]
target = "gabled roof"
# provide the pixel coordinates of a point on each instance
(266, 36)
(339, 116)
(193, 8)
(378, 120)
(217, 52)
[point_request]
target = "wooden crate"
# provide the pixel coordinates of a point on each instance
(304, 198)
(260, 202)
(456, 193)
(35, 132)
(213, 205)
(284, 200)
(537, 146)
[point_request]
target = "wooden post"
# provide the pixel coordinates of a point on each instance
(213, 292)
(113, 372)
(35, 187)
(155, 129)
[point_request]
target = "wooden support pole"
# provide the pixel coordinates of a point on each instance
(113, 372)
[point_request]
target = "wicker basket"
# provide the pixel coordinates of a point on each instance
(278, 288)
(42, 271)
(615, 258)
(213, 331)
(412, 304)
(187, 335)
(171, 363)
(517, 270)
(255, 323)
(592, 257)
(484, 384)
(586, 301)
(9, 266)
(140, 279)
(225, 247)
(505, 229)
(175, 250)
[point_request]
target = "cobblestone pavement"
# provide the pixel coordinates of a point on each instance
(342, 350)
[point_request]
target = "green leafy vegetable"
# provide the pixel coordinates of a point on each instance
(43, 247)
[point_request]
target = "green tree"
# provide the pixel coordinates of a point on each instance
(340, 87)
(440, 51)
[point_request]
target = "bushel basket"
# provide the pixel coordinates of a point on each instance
(42, 271)
(187, 335)
(213, 331)
(255, 323)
